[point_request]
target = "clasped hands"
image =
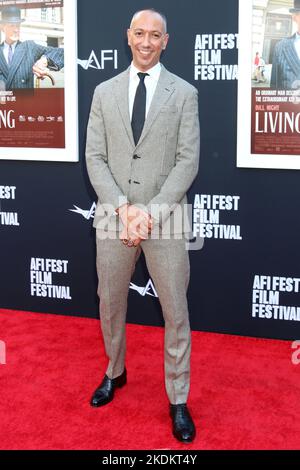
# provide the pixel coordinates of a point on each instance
(137, 223)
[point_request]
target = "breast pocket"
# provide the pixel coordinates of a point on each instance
(172, 108)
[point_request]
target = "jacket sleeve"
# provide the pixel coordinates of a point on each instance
(99, 172)
(186, 168)
(55, 55)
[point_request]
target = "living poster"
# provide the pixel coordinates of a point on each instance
(269, 84)
(38, 105)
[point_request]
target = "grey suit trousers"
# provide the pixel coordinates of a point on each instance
(169, 267)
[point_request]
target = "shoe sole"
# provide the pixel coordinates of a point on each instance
(185, 441)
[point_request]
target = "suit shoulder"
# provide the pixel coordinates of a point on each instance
(28, 43)
(285, 42)
(183, 84)
(107, 84)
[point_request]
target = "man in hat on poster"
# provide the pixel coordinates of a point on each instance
(142, 157)
(286, 58)
(20, 61)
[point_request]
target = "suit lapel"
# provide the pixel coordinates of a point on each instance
(3, 63)
(121, 88)
(163, 92)
(292, 56)
(16, 61)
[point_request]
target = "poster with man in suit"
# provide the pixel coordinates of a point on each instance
(286, 57)
(32, 79)
(269, 85)
(22, 61)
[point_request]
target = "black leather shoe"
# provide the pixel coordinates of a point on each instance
(105, 392)
(183, 426)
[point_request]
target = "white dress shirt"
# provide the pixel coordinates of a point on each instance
(6, 49)
(150, 83)
(297, 44)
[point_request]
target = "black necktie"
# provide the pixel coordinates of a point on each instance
(139, 109)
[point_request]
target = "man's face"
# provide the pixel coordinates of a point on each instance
(147, 39)
(296, 18)
(11, 32)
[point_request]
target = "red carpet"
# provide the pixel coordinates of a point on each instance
(245, 392)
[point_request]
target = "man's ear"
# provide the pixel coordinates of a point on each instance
(166, 41)
(128, 37)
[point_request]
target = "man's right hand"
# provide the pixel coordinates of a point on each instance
(137, 223)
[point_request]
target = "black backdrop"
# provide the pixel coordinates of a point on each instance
(222, 274)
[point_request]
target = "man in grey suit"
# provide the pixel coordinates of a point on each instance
(286, 58)
(20, 61)
(142, 156)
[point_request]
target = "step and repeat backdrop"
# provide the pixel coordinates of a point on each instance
(245, 278)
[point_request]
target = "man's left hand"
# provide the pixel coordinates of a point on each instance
(40, 67)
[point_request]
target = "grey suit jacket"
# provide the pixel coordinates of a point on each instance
(156, 173)
(285, 65)
(19, 74)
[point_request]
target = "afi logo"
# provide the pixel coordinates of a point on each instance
(148, 290)
(93, 62)
(89, 214)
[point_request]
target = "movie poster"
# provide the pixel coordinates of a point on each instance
(269, 84)
(38, 80)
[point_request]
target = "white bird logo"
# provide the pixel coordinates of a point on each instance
(90, 214)
(145, 290)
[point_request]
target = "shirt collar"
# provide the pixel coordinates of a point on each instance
(297, 37)
(154, 72)
(13, 45)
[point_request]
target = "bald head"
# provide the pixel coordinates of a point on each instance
(156, 13)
